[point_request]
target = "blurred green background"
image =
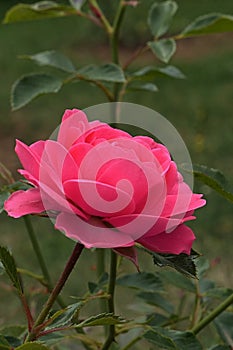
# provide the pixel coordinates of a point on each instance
(200, 108)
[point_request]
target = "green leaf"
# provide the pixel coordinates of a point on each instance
(100, 286)
(30, 86)
(184, 340)
(205, 285)
(163, 49)
(212, 178)
(77, 4)
(178, 280)
(146, 281)
(138, 86)
(171, 339)
(157, 300)
(219, 347)
(10, 268)
(52, 338)
(101, 320)
(160, 17)
(18, 185)
(202, 265)
(65, 317)
(13, 331)
(219, 293)
(32, 346)
(171, 71)
(157, 319)
(38, 10)
(3, 197)
(224, 327)
(152, 72)
(182, 263)
(109, 72)
(13, 341)
(2, 270)
(53, 59)
(208, 24)
(160, 340)
(4, 345)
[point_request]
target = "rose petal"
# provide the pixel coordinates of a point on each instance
(145, 226)
(74, 124)
(98, 199)
(92, 233)
(128, 253)
(178, 241)
(24, 202)
(29, 160)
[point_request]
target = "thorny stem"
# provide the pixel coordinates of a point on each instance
(55, 292)
(111, 308)
(212, 315)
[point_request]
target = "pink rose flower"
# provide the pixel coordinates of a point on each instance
(106, 188)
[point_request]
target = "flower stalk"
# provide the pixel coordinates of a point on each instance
(111, 291)
(37, 251)
(212, 315)
(55, 292)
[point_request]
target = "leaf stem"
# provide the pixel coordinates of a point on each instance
(111, 291)
(115, 42)
(100, 15)
(27, 312)
(132, 342)
(141, 50)
(217, 311)
(55, 292)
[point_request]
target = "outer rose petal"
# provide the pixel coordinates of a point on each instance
(24, 202)
(28, 158)
(93, 233)
(178, 241)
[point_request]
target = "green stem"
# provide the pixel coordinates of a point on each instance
(57, 289)
(196, 310)
(37, 251)
(115, 42)
(217, 311)
(100, 268)
(132, 342)
(99, 13)
(111, 291)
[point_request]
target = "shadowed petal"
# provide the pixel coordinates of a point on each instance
(128, 253)
(92, 233)
(178, 241)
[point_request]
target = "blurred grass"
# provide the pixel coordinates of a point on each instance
(200, 107)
